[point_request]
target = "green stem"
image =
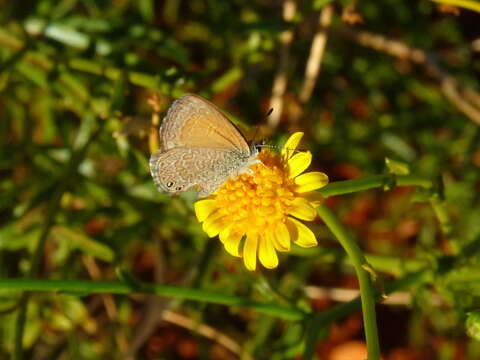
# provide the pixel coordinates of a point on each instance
(388, 181)
(83, 288)
(372, 182)
(440, 210)
(341, 310)
(366, 288)
(53, 208)
(320, 321)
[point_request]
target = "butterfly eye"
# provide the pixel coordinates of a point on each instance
(170, 184)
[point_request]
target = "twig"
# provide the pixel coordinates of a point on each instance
(466, 100)
(154, 308)
(153, 140)
(317, 50)
(346, 295)
(314, 62)
(107, 299)
(206, 331)
(451, 91)
(280, 81)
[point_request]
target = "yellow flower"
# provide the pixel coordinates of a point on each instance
(265, 207)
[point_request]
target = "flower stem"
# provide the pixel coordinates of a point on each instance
(372, 182)
(388, 181)
(366, 289)
(322, 319)
(84, 287)
(52, 210)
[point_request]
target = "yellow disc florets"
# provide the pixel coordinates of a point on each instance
(259, 201)
(264, 206)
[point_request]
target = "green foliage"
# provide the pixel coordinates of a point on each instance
(77, 200)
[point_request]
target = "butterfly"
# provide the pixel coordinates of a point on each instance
(199, 148)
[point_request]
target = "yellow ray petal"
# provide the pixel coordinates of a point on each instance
(267, 254)
(289, 148)
(301, 234)
(204, 208)
(281, 237)
(302, 209)
(298, 163)
(214, 224)
(232, 243)
(314, 198)
(310, 181)
(225, 233)
(250, 252)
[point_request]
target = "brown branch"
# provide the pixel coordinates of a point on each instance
(153, 136)
(314, 61)
(206, 331)
(154, 307)
(317, 50)
(280, 81)
(107, 299)
(345, 295)
(466, 100)
(94, 272)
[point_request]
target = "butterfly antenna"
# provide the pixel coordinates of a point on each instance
(260, 144)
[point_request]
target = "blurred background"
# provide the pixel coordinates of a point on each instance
(364, 80)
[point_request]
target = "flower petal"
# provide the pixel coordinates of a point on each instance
(225, 233)
(291, 144)
(310, 181)
(214, 224)
(267, 254)
(301, 234)
(250, 252)
(302, 209)
(314, 198)
(232, 243)
(204, 208)
(298, 163)
(281, 237)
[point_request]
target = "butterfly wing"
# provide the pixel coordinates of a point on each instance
(193, 121)
(181, 168)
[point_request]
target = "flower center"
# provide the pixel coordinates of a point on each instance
(255, 203)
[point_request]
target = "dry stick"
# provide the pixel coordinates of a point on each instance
(280, 81)
(317, 50)
(94, 273)
(466, 100)
(449, 88)
(154, 308)
(314, 62)
(153, 140)
(473, 97)
(107, 299)
(204, 330)
(346, 295)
